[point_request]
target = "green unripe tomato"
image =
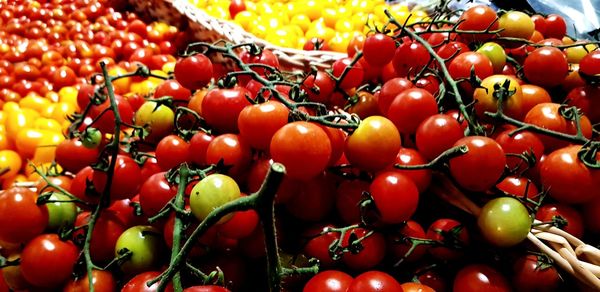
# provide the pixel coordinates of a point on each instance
(495, 53)
(504, 222)
(91, 138)
(211, 193)
(60, 214)
(145, 243)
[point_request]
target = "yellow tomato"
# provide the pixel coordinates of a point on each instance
(48, 124)
(344, 25)
(52, 96)
(17, 121)
(121, 85)
(168, 67)
(325, 33)
(4, 142)
(244, 18)
(10, 163)
(10, 106)
(46, 150)
(282, 38)
(28, 140)
(339, 43)
(68, 94)
(330, 16)
(155, 80)
(313, 9)
(2, 119)
(62, 110)
(33, 102)
(301, 21)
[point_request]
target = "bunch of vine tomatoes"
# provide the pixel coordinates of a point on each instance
(417, 163)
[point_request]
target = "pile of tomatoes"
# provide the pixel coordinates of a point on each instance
(486, 112)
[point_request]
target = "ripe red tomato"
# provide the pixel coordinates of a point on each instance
(373, 145)
(461, 66)
(481, 167)
(73, 156)
(21, 219)
(288, 147)
(221, 108)
(234, 152)
(353, 77)
(453, 236)
(198, 146)
(206, 288)
(155, 193)
(410, 108)
(138, 283)
(410, 58)
(173, 89)
(171, 151)
(126, 180)
(416, 287)
(408, 156)
(556, 27)
(319, 87)
(567, 178)
(546, 66)
(478, 277)
(587, 98)
(241, 224)
(374, 281)
(106, 122)
(478, 18)
(107, 230)
(390, 90)
(519, 143)
(259, 122)
(399, 243)
(47, 252)
(328, 281)
(437, 134)
(265, 57)
(379, 49)
(371, 254)
(103, 281)
(530, 273)
(574, 220)
(395, 195)
(520, 187)
(194, 72)
(547, 115)
(318, 243)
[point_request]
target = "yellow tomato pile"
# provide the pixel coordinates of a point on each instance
(291, 23)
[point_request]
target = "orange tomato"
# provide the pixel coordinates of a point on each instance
(10, 163)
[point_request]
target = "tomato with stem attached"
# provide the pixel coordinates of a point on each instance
(47, 252)
(328, 281)
(374, 281)
(373, 145)
(481, 167)
(211, 193)
(21, 219)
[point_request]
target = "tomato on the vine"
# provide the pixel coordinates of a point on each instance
(373, 145)
(437, 134)
(496, 86)
(47, 252)
(211, 193)
(155, 193)
(452, 235)
(479, 277)
(504, 222)
(194, 72)
(546, 66)
(533, 273)
(410, 108)
(371, 253)
(478, 18)
(481, 167)
(21, 219)
(548, 116)
(395, 196)
(259, 122)
(103, 281)
(144, 243)
(126, 179)
(329, 281)
(374, 281)
(138, 283)
(354, 75)
(573, 221)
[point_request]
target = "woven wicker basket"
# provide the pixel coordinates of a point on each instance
(210, 29)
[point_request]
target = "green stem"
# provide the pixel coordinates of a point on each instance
(178, 225)
(442, 158)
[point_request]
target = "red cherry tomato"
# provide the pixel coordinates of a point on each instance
(481, 167)
(374, 281)
(21, 219)
(47, 252)
(328, 281)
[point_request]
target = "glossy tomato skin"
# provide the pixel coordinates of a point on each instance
(546, 67)
(437, 134)
(194, 72)
(21, 219)
(319, 242)
(288, 147)
(531, 274)
(481, 167)
(390, 90)
(395, 196)
(221, 108)
(399, 243)
(573, 218)
(103, 282)
(410, 108)
(48, 252)
(568, 179)
(487, 102)
(479, 18)
(259, 122)
(212, 192)
(416, 287)
(328, 281)
(155, 193)
(355, 74)
(73, 156)
(478, 277)
(319, 87)
(461, 65)
(232, 150)
(408, 156)
(410, 58)
(138, 283)
(519, 143)
(126, 179)
(448, 231)
(372, 253)
(519, 187)
(241, 224)
(547, 115)
(206, 288)
(374, 281)
(373, 145)
(198, 146)
(504, 222)
(171, 151)
(144, 242)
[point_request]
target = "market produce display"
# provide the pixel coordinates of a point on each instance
(453, 150)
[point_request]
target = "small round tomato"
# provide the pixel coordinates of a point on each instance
(318, 244)
(103, 281)
(572, 218)
(373, 145)
(352, 78)
(520, 188)
(231, 150)
(546, 67)
(481, 167)
(241, 224)
(212, 192)
(222, 107)
(567, 178)
(487, 95)
(194, 72)
(395, 195)
(158, 118)
(504, 222)
(48, 252)
(410, 108)
(478, 277)
(126, 179)
(532, 273)
(532, 96)
(379, 49)
(462, 65)
(73, 156)
(516, 24)
(288, 145)
(519, 143)
(328, 281)
(145, 243)
(61, 213)
(399, 242)
(173, 89)
(371, 253)
(390, 90)
(495, 53)
(319, 87)
(171, 151)
(586, 98)
(104, 117)
(138, 283)
(556, 27)
(106, 231)
(155, 193)
(374, 281)
(259, 122)
(10, 163)
(416, 287)
(348, 196)
(452, 236)
(478, 18)
(21, 219)
(437, 134)
(410, 58)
